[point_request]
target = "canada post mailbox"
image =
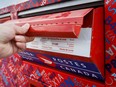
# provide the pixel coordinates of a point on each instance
(72, 41)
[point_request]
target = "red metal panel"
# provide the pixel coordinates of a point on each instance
(53, 78)
(97, 44)
(6, 9)
(110, 42)
(27, 5)
(34, 3)
(55, 30)
(11, 72)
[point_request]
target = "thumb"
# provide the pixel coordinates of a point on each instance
(23, 29)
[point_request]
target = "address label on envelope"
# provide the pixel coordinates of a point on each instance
(74, 46)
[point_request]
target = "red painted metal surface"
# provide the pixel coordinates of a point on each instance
(11, 72)
(6, 9)
(53, 78)
(27, 5)
(65, 24)
(97, 44)
(110, 53)
(110, 42)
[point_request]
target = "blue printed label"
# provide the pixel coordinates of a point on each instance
(70, 65)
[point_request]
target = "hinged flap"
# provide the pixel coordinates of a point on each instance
(65, 24)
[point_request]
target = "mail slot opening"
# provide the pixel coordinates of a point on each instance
(88, 19)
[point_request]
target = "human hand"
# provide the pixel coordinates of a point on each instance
(13, 39)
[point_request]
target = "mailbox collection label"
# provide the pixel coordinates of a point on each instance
(74, 46)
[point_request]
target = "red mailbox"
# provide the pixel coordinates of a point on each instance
(73, 36)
